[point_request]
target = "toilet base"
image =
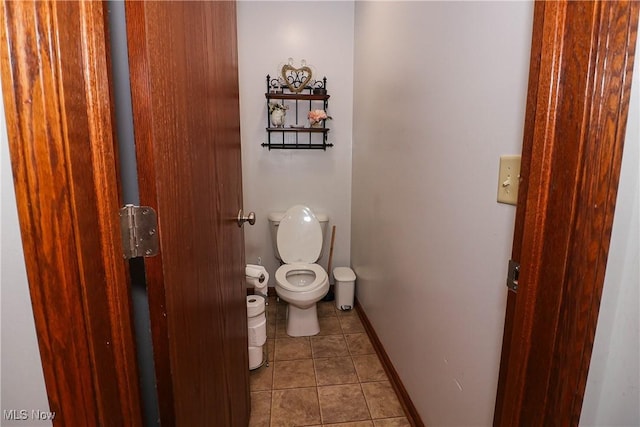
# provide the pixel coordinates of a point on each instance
(302, 322)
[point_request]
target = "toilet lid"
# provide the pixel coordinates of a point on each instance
(299, 236)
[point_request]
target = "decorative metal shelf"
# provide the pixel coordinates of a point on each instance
(301, 146)
(298, 143)
(289, 129)
(298, 96)
(299, 104)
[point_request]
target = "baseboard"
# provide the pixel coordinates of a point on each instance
(394, 379)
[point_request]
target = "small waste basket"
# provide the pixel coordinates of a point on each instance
(345, 287)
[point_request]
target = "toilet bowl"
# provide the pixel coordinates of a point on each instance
(299, 281)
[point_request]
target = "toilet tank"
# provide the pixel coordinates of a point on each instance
(274, 222)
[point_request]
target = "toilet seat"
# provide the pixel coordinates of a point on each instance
(284, 270)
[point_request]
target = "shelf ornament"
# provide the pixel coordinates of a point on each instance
(316, 118)
(277, 113)
(296, 79)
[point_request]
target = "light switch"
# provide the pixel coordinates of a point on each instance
(509, 179)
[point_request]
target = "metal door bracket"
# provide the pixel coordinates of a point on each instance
(139, 225)
(512, 275)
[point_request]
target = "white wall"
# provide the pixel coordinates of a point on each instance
(613, 385)
(21, 368)
(440, 94)
(268, 34)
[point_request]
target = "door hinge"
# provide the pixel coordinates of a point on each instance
(139, 226)
(512, 275)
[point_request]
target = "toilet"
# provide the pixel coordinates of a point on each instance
(299, 281)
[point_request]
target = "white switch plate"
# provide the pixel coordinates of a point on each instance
(509, 179)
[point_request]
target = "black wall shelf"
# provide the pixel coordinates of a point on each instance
(297, 136)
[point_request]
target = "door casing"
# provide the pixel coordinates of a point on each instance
(582, 58)
(55, 84)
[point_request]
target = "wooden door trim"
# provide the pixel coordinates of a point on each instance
(582, 61)
(54, 59)
(154, 273)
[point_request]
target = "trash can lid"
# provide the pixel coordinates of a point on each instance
(344, 274)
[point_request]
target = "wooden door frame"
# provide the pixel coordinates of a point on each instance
(56, 88)
(582, 59)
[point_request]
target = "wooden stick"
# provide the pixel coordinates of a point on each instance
(333, 238)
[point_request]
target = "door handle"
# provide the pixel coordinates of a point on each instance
(251, 218)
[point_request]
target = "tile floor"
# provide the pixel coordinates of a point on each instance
(332, 379)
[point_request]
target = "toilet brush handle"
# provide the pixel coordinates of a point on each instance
(333, 238)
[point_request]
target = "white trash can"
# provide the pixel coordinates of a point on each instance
(345, 287)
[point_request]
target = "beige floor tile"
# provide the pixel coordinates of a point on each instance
(359, 344)
(335, 370)
(369, 368)
(260, 409)
(326, 309)
(329, 346)
(281, 311)
(392, 422)
(271, 328)
(346, 313)
(270, 313)
(352, 389)
(355, 424)
(329, 326)
(271, 346)
(271, 309)
(261, 378)
(351, 324)
(281, 329)
(295, 407)
(293, 374)
(342, 403)
(382, 400)
(292, 348)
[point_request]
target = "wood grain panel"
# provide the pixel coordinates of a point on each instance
(186, 114)
(580, 112)
(143, 132)
(58, 110)
(605, 118)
